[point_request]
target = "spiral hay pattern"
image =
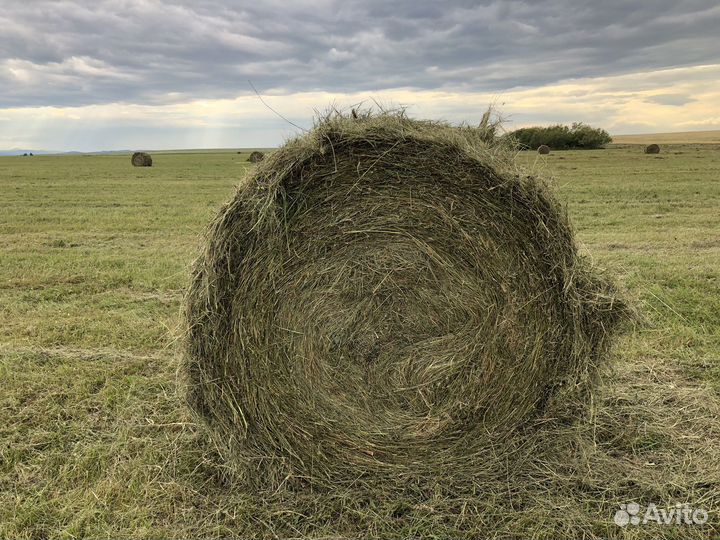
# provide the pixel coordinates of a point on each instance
(388, 297)
(141, 159)
(652, 149)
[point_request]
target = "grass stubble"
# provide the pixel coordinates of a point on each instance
(96, 440)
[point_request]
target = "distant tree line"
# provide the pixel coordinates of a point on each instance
(560, 137)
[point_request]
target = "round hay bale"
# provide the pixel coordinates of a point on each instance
(386, 296)
(141, 159)
(652, 149)
(543, 149)
(256, 157)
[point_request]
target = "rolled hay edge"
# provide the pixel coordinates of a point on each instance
(141, 159)
(389, 298)
(543, 149)
(652, 149)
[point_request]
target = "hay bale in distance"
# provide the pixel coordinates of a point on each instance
(141, 159)
(256, 157)
(383, 297)
(543, 149)
(652, 149)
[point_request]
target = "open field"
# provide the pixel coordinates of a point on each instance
(683, 137)
(95, 441)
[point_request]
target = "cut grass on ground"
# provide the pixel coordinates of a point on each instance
(95, 441)
(683, 137)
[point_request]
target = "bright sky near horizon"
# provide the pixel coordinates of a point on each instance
(154, 74)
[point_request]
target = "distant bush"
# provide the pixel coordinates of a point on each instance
(560, 137)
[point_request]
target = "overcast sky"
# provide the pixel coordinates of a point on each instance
(93, 75)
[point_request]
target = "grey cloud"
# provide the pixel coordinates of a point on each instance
(141, 51)
(676, 100)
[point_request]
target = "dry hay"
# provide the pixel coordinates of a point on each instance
(141, 159)
(652, 149)
(651, 439)
(388, 299)
(543, 149)
(256, 157)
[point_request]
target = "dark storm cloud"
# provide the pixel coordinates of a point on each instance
(78, 53)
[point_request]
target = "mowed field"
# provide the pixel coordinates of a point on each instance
(95, 440)
(683, 137)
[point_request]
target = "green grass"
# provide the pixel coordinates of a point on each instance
(95, 440)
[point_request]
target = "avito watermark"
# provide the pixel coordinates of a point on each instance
(680, 514)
